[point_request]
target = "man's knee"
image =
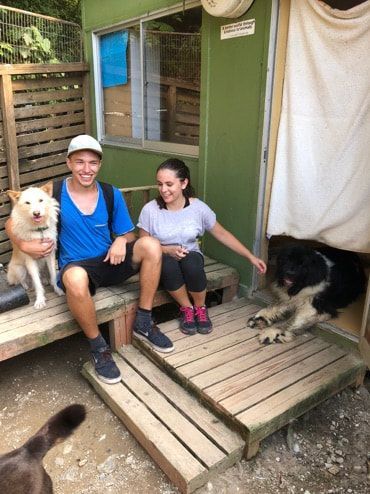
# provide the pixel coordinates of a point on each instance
(76, 281)
(147, 248)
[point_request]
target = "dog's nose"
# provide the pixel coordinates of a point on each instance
(36, 214)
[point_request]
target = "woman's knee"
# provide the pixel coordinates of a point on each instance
(147, 248)
(76, 281)
(171, 275)
(193, 272)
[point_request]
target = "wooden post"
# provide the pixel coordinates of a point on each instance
(229, 292)
(171, 112)
(10, 133)
(120, 328)
(86, 101)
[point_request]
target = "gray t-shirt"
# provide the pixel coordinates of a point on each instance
(182, 227)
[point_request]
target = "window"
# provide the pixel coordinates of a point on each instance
(149, 83)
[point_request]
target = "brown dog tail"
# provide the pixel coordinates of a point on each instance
(56, 429)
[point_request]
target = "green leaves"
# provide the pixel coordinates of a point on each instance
(34, 46)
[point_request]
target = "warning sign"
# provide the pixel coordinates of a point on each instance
(242, 28)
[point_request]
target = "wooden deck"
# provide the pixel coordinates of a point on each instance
(254, 389)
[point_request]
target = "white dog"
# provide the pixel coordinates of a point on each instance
(34, 216)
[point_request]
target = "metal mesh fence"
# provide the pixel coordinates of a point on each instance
(177, 54)
(26, 37)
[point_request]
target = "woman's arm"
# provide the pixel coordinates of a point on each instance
(226, 238)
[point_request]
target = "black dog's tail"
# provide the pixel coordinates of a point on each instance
(56, 429)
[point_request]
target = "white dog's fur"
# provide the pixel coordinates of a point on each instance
(34, 216)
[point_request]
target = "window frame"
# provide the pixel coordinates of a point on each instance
(144, 145)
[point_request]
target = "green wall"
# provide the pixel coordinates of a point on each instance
(233, 85)
(232, 98)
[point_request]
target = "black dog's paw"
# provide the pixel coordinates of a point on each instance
(257, 322)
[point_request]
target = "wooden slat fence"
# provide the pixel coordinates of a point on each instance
(42, 108)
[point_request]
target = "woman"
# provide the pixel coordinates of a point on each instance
(178, 219)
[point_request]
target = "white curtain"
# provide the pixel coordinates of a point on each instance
(321, 184)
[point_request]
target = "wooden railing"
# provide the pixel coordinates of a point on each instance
(142, 197)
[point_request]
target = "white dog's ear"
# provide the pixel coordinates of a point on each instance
(48, 188)
(13, 195)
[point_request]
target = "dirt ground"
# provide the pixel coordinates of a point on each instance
(325, 451)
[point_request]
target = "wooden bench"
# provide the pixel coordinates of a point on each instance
(26, 328)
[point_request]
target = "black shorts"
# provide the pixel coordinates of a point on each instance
(103, 273)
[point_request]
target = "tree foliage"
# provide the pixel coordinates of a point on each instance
(69, 10)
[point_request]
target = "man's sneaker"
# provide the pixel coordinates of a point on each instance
(150, 333)
(203, 321)
(187, 321)
(105, 367)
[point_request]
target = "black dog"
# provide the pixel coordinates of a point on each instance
(21, 470)
(310, 285)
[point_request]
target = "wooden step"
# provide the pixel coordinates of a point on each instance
(256, 387)
(187, 441)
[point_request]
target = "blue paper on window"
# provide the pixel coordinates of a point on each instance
(113, 48)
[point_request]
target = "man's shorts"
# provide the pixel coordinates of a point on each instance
(103, 273)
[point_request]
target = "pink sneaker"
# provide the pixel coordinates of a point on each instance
(202, 319)
(187, 321)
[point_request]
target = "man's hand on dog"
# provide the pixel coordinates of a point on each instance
(117, 252)
(37, 248)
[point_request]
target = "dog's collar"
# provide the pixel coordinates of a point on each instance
(41, 229)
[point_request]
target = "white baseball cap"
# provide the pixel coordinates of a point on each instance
(84, 142)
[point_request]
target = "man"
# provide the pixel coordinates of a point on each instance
(88, 258)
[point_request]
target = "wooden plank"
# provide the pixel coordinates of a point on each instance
(46, 82)
(32, 151)
(31, 164)
(228, 308)
(50, 135)
(185, 107)
(364, 344)
(188, 118)
(196, 442)
(46, 96)
(258, 372)
(53, 328)
(220, 434)
(236, 360)
(10, 140)
(4, 257)
(198, 346)
(32, 68)
(171, 456)
(11, 320)
(47, 110)
(273, 413)
(258, 392)
(44, 174)
(218, 320)
(49, 122)
(56, 312)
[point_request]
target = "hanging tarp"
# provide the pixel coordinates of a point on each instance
(321, 184)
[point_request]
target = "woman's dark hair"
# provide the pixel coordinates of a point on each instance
(182, 172)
